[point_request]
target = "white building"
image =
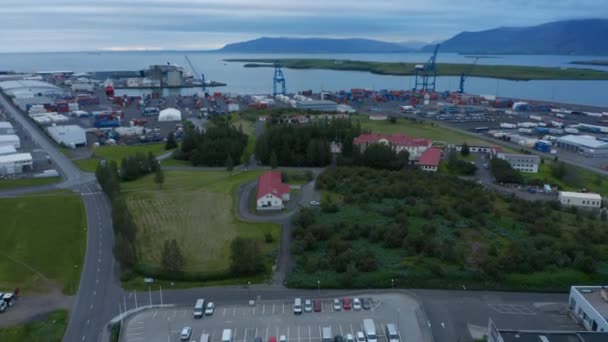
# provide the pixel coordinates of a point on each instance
(6, 128)
(580, 199)
(170, 114)
(11, 164)
(69, 135)
(10, 140)
(272, 192)
(8, 149)
(521, 162)
(590, 305)
(583, 144)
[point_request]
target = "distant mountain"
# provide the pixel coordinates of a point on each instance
(414, 44)
(314, 45)
(581, 37)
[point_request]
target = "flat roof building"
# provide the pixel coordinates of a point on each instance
(521, 162)
(580, 199)
(10, 140)
(15, 163)
(8, 149)
(589, 304)
(583, 144)
(513, 335)
(320, 105)
(69, 135)
(6, 128)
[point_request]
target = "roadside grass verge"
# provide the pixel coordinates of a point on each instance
(23, 183)
(36, 227)
(116, 153)
(51, 328)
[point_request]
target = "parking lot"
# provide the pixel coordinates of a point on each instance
(275, 318)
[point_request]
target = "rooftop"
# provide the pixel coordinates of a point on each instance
(394, 139)
(9, 158)
(582, 195)
(520, 156)
(271, 183)
(593, 295)
(431, 157)
(535, 336)
(583, 140)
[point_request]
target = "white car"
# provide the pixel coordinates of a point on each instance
(337, 304)
(356, 304)
(360, 336)
(282, 338)
(210, 309)
(185, 334)
(315, 203)
(308, 305)
(350, 338)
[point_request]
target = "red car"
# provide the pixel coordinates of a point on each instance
(346, 303)
(272, 339)
(317, 305)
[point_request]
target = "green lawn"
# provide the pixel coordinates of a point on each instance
(22, 183)
(44, 236)
(198, 209)
(418, 130)
(579, 179)
(510, 72)
(116, 153)
(50, 328)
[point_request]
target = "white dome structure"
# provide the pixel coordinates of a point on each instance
(170, 114)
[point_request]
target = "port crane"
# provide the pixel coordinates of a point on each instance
(278, 78)
(465, 74)
(195, 75)
(426, 74)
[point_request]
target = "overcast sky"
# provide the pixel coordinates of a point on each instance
(84, 25)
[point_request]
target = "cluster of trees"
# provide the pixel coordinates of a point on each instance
(458, 166)
(377, 156)
(305, 145)
(138, 165)
(432, 218)
(246, 257)
(504, 173)
(220, 145)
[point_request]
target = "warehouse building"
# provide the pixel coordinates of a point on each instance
(589, 304)
(30, 88)
(522, 162)
(580, 199)
(320, 105)
(6, 128)
(11, 164)
(10, 140)
(70, 135)
(583, 144)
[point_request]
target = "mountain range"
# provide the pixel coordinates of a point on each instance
(581, 37)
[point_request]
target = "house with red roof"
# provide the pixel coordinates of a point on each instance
(415, 146)
(272, 192)
(429, 160)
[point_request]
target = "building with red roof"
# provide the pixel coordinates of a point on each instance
(415, 146)
(272, 192)
(429, 160)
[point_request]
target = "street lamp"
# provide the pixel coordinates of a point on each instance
(392, 283)
(249, 289)
(318, 288)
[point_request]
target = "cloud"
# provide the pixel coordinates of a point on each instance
(35, 25)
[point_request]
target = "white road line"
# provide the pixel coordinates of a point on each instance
(235, 333)
(184, 315)
(245, 337)
(277, 336)
(341, 332)
(266, 338)
(224, 313)
(320, 334)
(309, 334)
(83, 337)
(94, 293)
(273, 308)
(174, 314)
(255, 334)
(135, 333)
(298, 333)
(234, 311)
(263, 308)
(254, 310)
(287, 333)
(283, 307)
(351, 330)
(91, 306)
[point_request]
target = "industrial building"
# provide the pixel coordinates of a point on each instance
(169, 75)
(10, 140)
(169, 114)
(30, 88)
(429, 160)
(6, 128)
(11, 164)
(8, 149)
(522, 162)
(580, 199)
(512, 335)
(584, 144)
(415, 146)
(70, 135)
(320, 105)
(590, 305)
(272, 192)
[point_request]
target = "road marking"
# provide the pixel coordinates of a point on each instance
(263, 308)
(442, 325)
(174, 314)
(234, 312)
(254, 310)
(135, 333)
(320, 334)
(235, 335)
(266, 338)
(245, 337)
(351, 330)
(273, 308)
(283, 307)
(94, 292)
(88, 321)
(298, 333)
(83, 337)
(309, 334)
(341, 332)
(287, 333)
(224, 313)
(255, 334)
(91, 306)
(155, 312)
(277, 332)
(97, 281)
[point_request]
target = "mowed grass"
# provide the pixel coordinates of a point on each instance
(418, 130)
(585, 179)
(116, 153)
(197, 208)
(43, 237)
(50, 328)
(21, 183)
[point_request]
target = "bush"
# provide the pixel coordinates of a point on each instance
(504, 173)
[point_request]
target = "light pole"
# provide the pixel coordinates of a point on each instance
(398, 311)
(318, 288)
(392, 283)
(249, 289)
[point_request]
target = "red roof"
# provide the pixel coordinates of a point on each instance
(394, 139)
(430, 157)
(271, 183)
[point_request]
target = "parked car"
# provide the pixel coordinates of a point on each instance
(360, 336)
(350, 338)
(338, 338)
(272, 339)
(317, 305)
(356, 304)
(337, 304)
(308, 305)
(315, 203)
(346, 303)
(185, 334)
(210, 309)
(282, 338)
(366, 303)
(258, 339)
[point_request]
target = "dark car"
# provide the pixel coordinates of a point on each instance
(317, 305)
(366, 303)
(258, 339)
(338, 338)
(346, 303)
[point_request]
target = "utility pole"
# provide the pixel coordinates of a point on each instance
(161, 295)
(318, 288)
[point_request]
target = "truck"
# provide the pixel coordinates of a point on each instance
(535, 117)
(507, 125)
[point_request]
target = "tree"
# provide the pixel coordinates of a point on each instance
(246, 256)
(159, 177)
(171, 142)
(558, 170)
(274, 163)
(123, 251)
(172, 259)
(465, 151)
(504, 173)
(229, 164)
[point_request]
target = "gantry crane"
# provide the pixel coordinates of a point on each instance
(195, 75)
(465, 74)
(278, 78)
(426, 74)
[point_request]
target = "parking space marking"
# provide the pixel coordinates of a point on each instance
(273, 308)
(283, 307)
(351, 329)
(256, 333)
(254, 310)
(320, 334)
(184, 315)
(245, 337)
(174, 314)
(512, 309)
(287, 333)
(235, 334)
(309, 334)
(224, 313)
(298, 333)
(266, 338)
(277, 335)
(263, 308)
(341, 332)
(234, 311)
(155, 312)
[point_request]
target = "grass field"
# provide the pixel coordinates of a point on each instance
(44, 236)
(51, 328)
(198, 209)
(418, 130)
(583, 179)
(21, 183)
(510, 72)
(116, 153)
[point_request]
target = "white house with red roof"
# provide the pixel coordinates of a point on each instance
(272, 192)
(415, 146)
(429, 160)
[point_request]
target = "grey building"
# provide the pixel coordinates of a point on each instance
(583, 144)
(168, 74)
(322, 105)
(521, 162)
(70, 135)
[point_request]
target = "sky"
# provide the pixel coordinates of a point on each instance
(87, 25)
